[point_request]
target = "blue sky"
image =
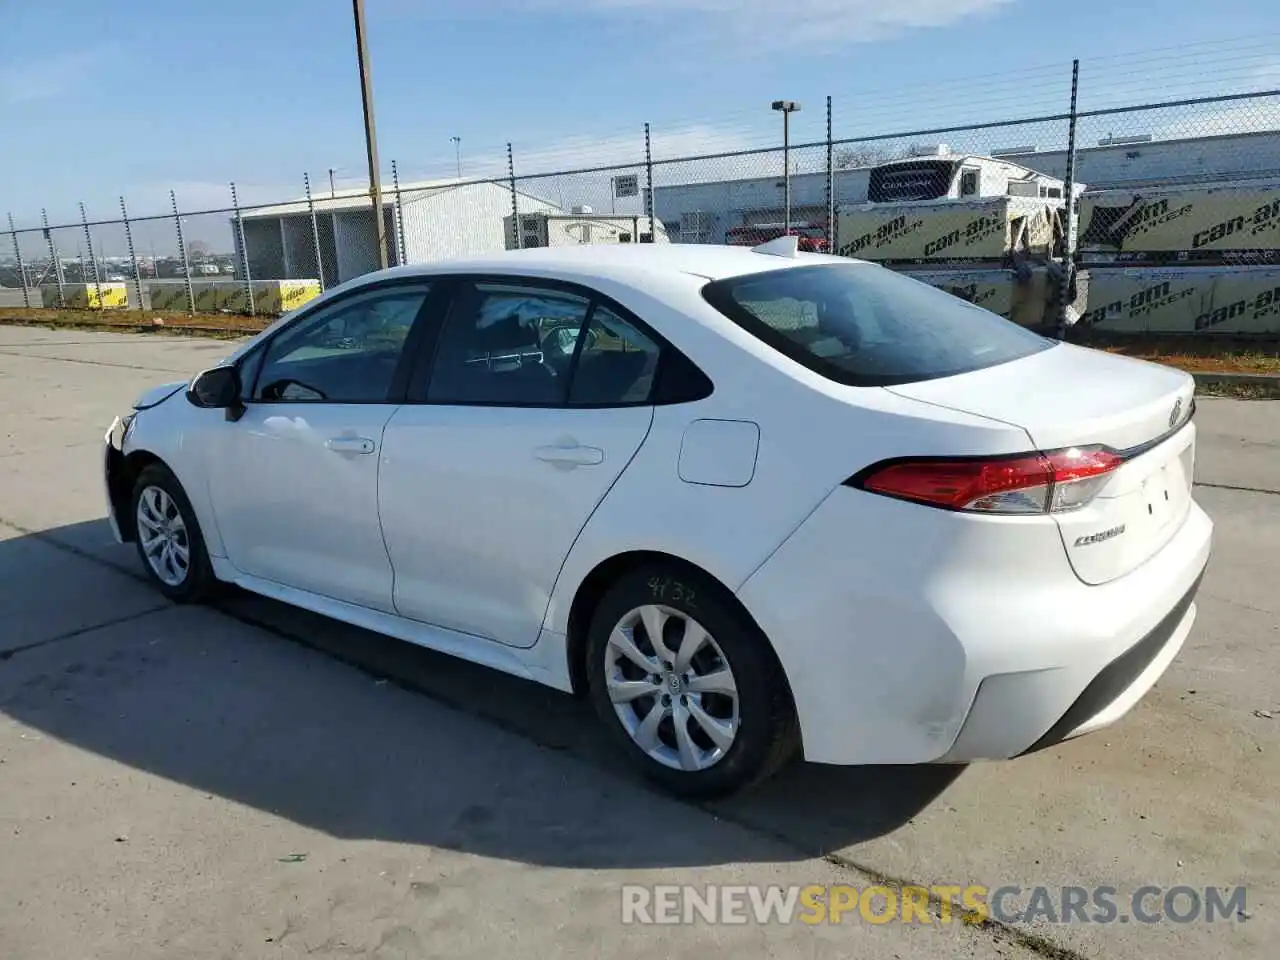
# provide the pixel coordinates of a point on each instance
(100, 99)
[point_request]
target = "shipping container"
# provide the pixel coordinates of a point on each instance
(1023, 295)
(1211, 222)
(1194, 299)
(990, 229)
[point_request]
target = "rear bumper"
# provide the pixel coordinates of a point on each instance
(1125, 680)
(1113, 691)
(948, 638)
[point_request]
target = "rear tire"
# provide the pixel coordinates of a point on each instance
(168, 538)
(705, 710)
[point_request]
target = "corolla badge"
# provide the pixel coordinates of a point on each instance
(1100, 536)
(1175, 412)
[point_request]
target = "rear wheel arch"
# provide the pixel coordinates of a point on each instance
(608, 572)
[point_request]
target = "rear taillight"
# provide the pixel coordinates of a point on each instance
(1053, 482)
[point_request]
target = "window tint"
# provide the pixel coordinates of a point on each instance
(346, 353)
(868, 326)
(616, 363)
(507, 344)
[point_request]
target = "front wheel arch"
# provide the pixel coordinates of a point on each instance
(120, 482)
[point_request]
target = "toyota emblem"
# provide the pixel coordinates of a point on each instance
(1175, 412)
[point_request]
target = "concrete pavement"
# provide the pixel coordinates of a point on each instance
(257, 781)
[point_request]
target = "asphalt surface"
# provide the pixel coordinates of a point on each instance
(254, 781)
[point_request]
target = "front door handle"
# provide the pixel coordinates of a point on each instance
(569, 455)
(351, 445)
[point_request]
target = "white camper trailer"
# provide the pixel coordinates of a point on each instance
(957, 176)
(544, 229)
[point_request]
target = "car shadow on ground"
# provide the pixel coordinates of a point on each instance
(359, 735)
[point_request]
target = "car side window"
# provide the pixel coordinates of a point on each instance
(345, 353)
(507, 344)
(616, 363)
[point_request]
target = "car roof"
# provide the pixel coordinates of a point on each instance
(622, 261)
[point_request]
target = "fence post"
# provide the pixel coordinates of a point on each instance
(88, 242)
(648, 176)
(244, 252)
(831, 185)
(182, 252)
(1065, 296)
(515, 207)
(315, 230)
(54, 259)
(22, 270)
(133, 255)
(395, 182)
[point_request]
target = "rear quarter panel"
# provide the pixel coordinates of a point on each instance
(813, 434)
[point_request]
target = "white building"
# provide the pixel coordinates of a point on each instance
(702, 212)
(442, 219)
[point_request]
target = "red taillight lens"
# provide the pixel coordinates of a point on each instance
(1029, 483)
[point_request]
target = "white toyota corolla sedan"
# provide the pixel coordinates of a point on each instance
(751, 502)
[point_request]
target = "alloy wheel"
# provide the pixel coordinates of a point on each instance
(671, 687)
(163, 536)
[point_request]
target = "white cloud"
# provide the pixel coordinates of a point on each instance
(769, 23)
(624, 151)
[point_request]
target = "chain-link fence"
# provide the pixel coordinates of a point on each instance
(1154, 215)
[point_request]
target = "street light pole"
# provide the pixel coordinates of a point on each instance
(370, 136)
(457, 150)
(786, 108)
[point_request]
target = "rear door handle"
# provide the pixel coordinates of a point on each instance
(353, 445)
(569, 455)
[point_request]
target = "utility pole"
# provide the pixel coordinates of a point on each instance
(786, 108)
(370, 136)
(457, 150)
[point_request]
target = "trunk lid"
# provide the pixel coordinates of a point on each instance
(1072, 396)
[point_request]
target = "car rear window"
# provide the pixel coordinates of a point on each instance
(864, 325)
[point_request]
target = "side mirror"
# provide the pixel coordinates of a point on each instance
(216, 388)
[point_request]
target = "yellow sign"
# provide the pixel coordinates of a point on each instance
(86, 296)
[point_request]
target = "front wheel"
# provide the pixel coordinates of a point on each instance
(168, 537)
(688, 684)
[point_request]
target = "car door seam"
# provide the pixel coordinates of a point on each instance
(377, 499)
(542, 624)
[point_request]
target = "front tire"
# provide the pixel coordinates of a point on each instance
(168, 538)
(687, 684)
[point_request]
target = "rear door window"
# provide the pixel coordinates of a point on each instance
(616, 363)
(867, 326)
(508, 344)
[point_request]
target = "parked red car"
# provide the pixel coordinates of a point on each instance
(812, 237)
